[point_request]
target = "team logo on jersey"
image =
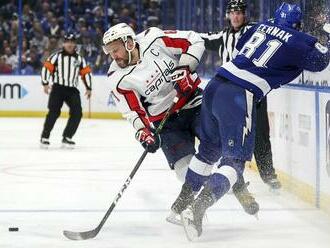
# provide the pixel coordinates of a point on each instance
(231, 143)
(76, 63)
(162, 73)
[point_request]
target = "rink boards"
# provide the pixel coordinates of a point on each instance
(298, 120)
(299, 136)
(24, 96)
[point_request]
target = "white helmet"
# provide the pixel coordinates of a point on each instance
(118, 31)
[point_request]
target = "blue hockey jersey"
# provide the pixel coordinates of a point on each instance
(270, 55)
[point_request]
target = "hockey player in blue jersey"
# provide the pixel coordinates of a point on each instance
(270, 55)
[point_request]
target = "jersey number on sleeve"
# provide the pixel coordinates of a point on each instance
(254, 43)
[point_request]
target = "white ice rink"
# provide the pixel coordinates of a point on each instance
(44, 192)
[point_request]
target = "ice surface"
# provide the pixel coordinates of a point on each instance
(44, 192)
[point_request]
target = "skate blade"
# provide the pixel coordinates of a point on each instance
(174, 219)
(275, 191)
(188, 226)
(44, 147)
(230, 191)
(67, 147)
(256, 215)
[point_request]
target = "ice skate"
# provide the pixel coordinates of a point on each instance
(44, 143)
(174, 218)
(246, 199)
(192, 217)
(185, 198)
(68, 143)
(274, 184)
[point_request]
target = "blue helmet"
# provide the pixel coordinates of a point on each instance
(288, 15)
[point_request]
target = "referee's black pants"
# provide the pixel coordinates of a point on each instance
(58, 95)
(262, 150)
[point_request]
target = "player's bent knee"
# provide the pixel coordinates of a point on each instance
(222, 180)
(219, 184)
(198, 172)
(229, 172)
(237, 164)
(200, 167)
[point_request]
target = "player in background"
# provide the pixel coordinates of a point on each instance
(145, 76)
(225, 42)
(270, 55)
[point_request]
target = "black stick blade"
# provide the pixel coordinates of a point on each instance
(80, 235)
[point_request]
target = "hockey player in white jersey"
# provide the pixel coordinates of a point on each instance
(148, 71)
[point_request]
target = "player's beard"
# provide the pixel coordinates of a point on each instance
(122, 63)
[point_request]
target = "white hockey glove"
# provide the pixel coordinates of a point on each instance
(326, 27)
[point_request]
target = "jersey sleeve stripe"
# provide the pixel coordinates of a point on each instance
(232, 72)
(134, 104)
(85, 70)
(177, 43)
(49, 66)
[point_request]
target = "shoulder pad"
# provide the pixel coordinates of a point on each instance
(55, 52)
(146, 38)
(150, 35)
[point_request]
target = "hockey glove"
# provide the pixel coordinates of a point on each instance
(148, 140)
(181, 77)
(326, 27)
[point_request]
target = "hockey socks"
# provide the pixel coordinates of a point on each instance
(198, 172)
(218, 184)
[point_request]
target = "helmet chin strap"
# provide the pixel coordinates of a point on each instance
(129, 50)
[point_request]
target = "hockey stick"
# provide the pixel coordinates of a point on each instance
(92, 233)
(90, 107)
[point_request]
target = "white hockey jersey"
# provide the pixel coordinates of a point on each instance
(143, 92)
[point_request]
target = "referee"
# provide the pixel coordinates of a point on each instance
(225, 42)
(62, 69)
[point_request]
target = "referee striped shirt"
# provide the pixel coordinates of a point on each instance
(224, 41)
(64, 69)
